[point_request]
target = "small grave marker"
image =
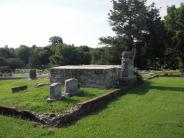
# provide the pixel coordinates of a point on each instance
(19, 88)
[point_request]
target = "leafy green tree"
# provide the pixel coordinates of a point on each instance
(54, 40)
(84, 55)
(7, 52)
(39, 57)
(101, 55)
(56, 58)
(128, 20)
(3, 61)
(114, 47)
(24, 53)
(138, 28)
(14, 63)
(151, 50)
(174, 22)
(70, 55)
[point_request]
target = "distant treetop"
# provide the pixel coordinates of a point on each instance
(54, 40)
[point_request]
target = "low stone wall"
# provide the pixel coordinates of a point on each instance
(25, 114)
(69, 116)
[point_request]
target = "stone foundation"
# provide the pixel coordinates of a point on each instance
(98, 76)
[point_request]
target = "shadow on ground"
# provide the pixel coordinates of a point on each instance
(148, 85)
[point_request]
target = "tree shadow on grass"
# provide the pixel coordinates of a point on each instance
(141, 89)
(170, 76)
(164, 89)
(87, 94)
(148, 85)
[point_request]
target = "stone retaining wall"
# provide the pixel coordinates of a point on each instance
(25, 114)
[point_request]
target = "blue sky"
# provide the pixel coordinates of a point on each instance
(78, 22)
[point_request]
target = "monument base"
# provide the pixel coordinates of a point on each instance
(49, 100)
(127, 80)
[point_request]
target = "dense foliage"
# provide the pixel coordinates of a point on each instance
(157, 43)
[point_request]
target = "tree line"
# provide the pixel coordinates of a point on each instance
(158, 43)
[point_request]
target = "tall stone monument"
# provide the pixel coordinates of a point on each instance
(32, 74)
(127, 66)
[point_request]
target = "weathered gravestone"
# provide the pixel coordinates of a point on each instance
(127, 66)
(71, 87)
(55, 92)
(32, 74)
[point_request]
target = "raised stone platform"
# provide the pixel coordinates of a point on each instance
(99, 76)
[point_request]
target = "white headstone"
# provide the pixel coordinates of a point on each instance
(71, 87)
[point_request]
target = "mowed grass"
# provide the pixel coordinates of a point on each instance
(153, 110)
(35, 99)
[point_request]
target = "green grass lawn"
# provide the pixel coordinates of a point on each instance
(153, 110)
(35, 99)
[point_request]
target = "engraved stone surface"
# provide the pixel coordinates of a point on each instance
(71, 87)
(127, 66)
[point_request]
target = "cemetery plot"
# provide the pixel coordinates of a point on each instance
(35, 99)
